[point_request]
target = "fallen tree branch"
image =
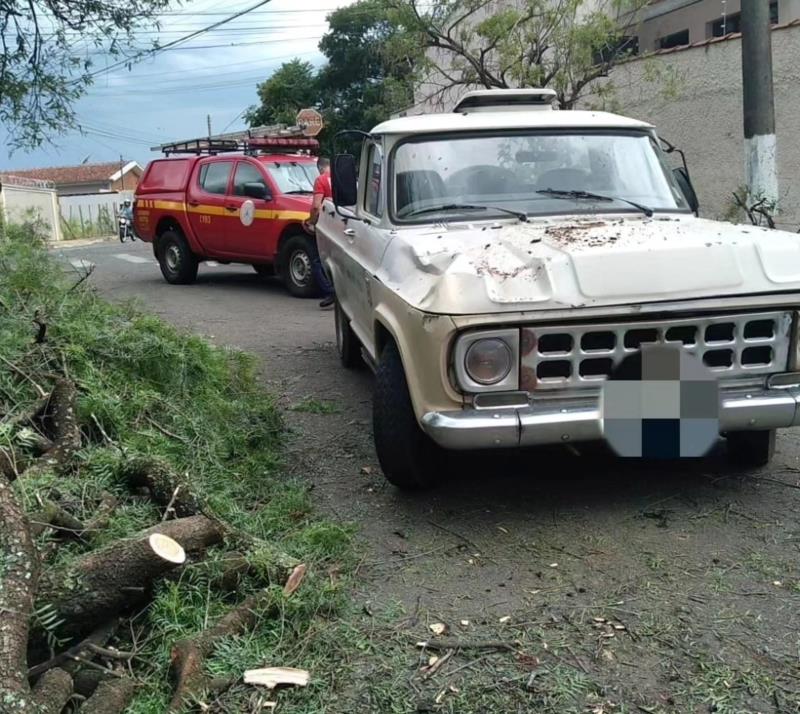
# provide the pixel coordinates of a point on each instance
(188, 655)
(19, 581)
(20, 373)
(453, 644)
(65, 660)
(165, 486)
(110, 697)
(53, 515)
(102, 515)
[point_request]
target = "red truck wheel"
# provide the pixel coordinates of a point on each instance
(296, 270)
(178, 263)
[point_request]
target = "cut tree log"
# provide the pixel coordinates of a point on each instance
(19, 568)
(112, 696)
(52, 692)
(194, 533)
(99, 585)
(166, 488)
(188, 655)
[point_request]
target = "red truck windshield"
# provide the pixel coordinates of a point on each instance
(293, 176)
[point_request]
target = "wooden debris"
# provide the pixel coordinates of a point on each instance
(295, 579)
(271, 677)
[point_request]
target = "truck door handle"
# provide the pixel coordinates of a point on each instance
(194, 204)
(231, 208)
(349, 232)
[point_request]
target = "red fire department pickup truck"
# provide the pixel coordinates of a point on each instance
(232, 201)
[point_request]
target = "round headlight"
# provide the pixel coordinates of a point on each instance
(488, 361)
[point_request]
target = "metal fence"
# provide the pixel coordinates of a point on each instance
(91, 215)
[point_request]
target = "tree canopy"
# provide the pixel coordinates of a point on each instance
(367, 76)
(563, 45)
(47, 57)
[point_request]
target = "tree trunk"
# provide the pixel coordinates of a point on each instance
(19, 571)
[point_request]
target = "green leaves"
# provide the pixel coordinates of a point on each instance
(44, 68)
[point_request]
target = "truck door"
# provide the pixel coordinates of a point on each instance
(250, 230)
(206, 199)
(366, 243)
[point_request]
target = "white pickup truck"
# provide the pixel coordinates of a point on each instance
(495, 265)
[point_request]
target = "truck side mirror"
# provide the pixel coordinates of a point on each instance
(344, 180)
(257, 190)
(685, 183)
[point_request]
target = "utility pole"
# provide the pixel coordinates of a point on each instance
(760, 146)
(208, 121)
(121, 173)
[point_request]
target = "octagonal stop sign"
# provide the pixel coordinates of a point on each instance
(311, 121)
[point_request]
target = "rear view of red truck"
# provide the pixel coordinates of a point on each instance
(231, 201)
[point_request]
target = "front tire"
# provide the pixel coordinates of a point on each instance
(178, 263)
(295, 265)
(347, 344)
(751, 448)
(409, 458)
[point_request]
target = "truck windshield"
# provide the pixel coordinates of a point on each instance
(293, 176)
(534, 173)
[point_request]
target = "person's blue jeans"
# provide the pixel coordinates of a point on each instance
(318, 272)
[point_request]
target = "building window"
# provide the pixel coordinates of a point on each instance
(733, 23)
(676, 39)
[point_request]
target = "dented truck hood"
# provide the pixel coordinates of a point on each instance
(592, 261)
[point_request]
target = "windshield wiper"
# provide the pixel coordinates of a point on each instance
(300, 190)
(523, 217)
(594, 197)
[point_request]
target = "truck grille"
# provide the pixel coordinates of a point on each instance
(583, 355)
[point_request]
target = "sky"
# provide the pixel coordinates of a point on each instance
(168, 96)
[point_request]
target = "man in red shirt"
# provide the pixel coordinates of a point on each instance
(322, 190)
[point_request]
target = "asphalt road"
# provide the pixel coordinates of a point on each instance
(537, 536)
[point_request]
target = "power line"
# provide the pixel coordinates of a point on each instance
(180, 40)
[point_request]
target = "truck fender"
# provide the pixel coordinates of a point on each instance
(181, 226)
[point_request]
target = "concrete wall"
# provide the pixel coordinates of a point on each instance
(694, 96)
(16, 203)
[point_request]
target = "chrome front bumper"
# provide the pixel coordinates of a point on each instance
(560, 420)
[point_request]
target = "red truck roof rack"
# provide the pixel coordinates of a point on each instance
(262, 139)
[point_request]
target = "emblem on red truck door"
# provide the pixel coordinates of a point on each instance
(247, 213)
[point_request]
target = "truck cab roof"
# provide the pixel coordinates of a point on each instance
(507, 119)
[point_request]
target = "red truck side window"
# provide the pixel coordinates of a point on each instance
(246, 173)
(214, 176)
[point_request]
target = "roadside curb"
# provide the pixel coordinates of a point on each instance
(77, 243)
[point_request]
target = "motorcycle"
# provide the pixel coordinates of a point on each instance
(125, 229)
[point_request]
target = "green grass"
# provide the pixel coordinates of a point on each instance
(316, 406)
(147, 389)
